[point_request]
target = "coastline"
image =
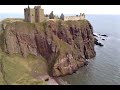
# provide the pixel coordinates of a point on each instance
(45, 77)
(60, 81)
(52, 80)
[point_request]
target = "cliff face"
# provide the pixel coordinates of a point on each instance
(64, 44)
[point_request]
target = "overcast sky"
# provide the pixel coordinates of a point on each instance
(66, 9)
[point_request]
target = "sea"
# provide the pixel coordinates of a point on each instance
(104, 69)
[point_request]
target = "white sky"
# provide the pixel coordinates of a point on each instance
(66, 9)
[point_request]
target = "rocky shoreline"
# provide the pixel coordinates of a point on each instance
(52, 80)
(99, 36)
(60, 81)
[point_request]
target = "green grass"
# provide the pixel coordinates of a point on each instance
(63, 46)
(41, 26)
(28, 80)
(2, 82)
(20, 71)
(79, 23)
(82, 23)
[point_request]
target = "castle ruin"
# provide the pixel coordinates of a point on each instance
(35, 14)
(80, 17)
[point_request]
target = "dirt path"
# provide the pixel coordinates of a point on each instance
(52, 81)
(48, 79)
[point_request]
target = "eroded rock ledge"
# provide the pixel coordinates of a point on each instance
(64, 44)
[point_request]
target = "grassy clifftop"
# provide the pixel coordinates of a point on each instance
(15, 69)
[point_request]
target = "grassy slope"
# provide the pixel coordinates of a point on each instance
(20, 71)
(2, 82)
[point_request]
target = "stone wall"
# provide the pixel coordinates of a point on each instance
(35, 14)
(71, 18)
(32, 15)
(42, 17)
(29, 15)
(26, 12)
(80, 17)
(66, 18)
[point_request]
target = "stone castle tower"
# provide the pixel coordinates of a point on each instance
(35, 14)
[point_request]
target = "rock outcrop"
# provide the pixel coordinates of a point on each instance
(64, 44)
(98, 43)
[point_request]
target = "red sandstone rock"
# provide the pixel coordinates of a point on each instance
(65, 45)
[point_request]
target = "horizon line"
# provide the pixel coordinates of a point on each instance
(69, 14)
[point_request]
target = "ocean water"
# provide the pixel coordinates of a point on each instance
(11, 15)
(104, 69)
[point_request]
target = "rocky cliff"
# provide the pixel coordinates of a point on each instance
(64, 44)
